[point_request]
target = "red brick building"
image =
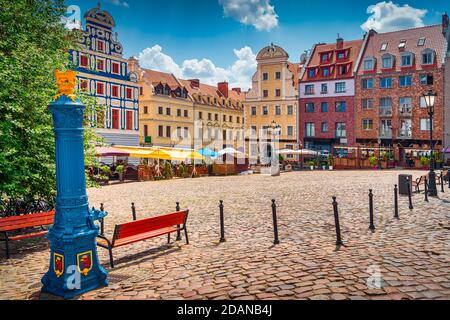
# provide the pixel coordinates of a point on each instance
(327, 89)
(395, 69)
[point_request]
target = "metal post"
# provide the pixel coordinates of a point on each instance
(275, 222)
(222, 223)
(409, 194)
(426, 189)
(396, 215)
(432, 189)
(336, 222)
(371, 226)
(442, 182)
(133, 211)
(177, 208)
(448, 178)
(102, 221)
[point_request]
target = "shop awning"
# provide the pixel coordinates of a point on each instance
(110, 152)
(162, 153)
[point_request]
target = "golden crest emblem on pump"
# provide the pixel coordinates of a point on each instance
(66, 82)
(84, 262)
(58, 264)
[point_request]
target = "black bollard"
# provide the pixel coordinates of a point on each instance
(448, 178)
(442, 182)
(222, 223)
(409, 194)
(102, 221)
(177, 208)
(336, 222)
(275, 223)
(371, 226)
(133, 211)
(426, 189)
(396, 202)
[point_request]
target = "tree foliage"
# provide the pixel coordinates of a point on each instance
(33, 44)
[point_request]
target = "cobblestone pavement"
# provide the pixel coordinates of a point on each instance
(411, 255)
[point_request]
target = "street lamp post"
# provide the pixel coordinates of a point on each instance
(275, 162)
(379, 153)
(430, 99)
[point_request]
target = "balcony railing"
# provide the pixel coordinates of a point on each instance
(405, 134)
(385, 112)
(405, 111)
(386, 134)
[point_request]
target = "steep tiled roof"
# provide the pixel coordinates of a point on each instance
(152, 76)
(354, 46)
(295, 69)
(434, 40)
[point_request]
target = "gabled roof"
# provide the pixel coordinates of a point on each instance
(434, 40)
(152, 76)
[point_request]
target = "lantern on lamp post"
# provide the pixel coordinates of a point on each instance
(430, 99)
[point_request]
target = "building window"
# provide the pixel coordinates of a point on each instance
(405, 104)
(100, 88)
(324, 88)
(367, 104)
(402, 44)
(343, 69)
(290, 110)
(367, 124)
(141, 91)
(224, 118)
(385, 107)
(178, 112)
(265, 93)
(100, 64)
(311, 73)
(277, 75)
(290, 131)
(341, 55)
(309, 107)
(200, 115)
(326, 72)
(278, 110)
(145, 130)
(425, 124)
(84, 85)
(100, 45)
(129, 93)
(265, 111)
(341, 106)
(341, 131)
(168, 111)
(426, 79)
(384, 46)
(238, 119)
(324, 126)
(265, 76)
(422, 103)
(428, 57)
(186, 132)
(115, 68)
(309, 129)
(278, 93)
(309, 89)
(115, 91)
(407, 59)
(160, 131)
(340, 87)
(216, 117)
(385, 83)
(253, 111)
(160, 110)
(168, 132)
(186, 113)
(405, 81)
(324, 107)
(129, 116)
(84, 61)
(387, 61)
(367, 83)
(324, 57)
(421, 42)
(369, 64)
(115, 118)
(145, 109)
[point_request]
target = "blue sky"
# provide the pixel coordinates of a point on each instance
(217, 40)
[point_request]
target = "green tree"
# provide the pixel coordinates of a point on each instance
(33, 44)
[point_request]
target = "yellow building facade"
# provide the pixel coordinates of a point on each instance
(272, 100)
(182, 113)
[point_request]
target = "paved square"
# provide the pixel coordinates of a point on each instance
(410, 255)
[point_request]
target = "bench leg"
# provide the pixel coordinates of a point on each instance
(186, 235)
(6, 239)
(168, 238)
(111, 258)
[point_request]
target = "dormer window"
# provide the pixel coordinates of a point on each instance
(167, 90)
(407, 59)
(324, 57)
(343, 69)
(326, 72)
(369, 64)
(402, 44)
(341, 55)
(387, 61)
(421, 42)
(311, 73)
(384, 46)
(428, 56)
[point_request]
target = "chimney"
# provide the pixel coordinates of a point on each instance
(195, 83)
(223, 88)
(339, 42)
(445, 23)
(238, 90)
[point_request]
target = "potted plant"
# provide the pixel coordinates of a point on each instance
(311, 164)
(373, 162)
(425, 162)
(330, 162)
(120, 169)
(168, 172)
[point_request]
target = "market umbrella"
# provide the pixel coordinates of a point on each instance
(208, 153)
(110, 152)
(231, 151)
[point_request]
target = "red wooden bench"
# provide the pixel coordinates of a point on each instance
(141, 230)
(16, 223)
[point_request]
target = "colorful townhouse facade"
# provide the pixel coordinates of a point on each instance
(103, 73)
(395, 70)
(182, 113)
(326, 95)
(272, 101)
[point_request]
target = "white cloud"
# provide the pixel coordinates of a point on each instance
(258, 13)
(239, 74)
(119, 3)
(388, 16)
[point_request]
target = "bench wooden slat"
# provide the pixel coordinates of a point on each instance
(139, 237)
(28, 224)
(26, 219)
(28, 236)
